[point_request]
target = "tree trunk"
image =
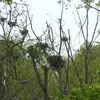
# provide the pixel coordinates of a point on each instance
(86, 63)
(86, 70)
(46, 83)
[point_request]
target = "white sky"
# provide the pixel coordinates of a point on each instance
(49, 10)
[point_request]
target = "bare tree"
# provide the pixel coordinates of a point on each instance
(86, 35)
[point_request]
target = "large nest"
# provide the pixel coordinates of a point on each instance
(56, 61)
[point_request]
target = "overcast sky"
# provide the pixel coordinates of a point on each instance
(49, 10)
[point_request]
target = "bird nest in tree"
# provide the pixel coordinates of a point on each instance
(56, 62)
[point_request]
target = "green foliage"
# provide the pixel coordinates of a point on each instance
(97, 4)
(93, 62)
(7, 1)
(36, 51)
(85, 92)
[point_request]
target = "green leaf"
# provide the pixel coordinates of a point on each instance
(97, 4)
(8, 1)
